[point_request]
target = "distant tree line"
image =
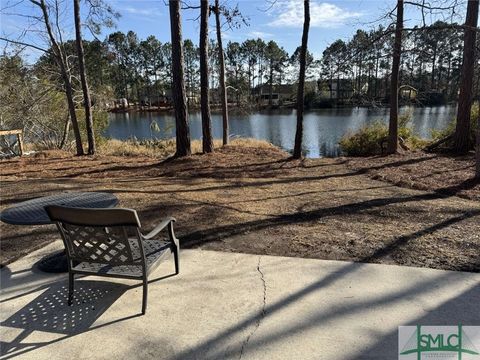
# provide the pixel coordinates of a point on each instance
(124, 66)
(356, 72)
(430, 63)
(127, 67)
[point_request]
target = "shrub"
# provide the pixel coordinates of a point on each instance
(100, 124)
(450, 128)
(42, 117)
(368, 140)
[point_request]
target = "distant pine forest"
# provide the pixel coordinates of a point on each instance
(125, 71)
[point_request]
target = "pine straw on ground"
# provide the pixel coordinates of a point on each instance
(257, 200)
(450, 175)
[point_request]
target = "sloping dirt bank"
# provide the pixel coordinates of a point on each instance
(257, 200)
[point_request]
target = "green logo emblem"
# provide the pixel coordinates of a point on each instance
(438, 342)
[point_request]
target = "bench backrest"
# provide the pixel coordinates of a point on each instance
(105, 236)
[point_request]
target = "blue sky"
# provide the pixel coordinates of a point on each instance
(282, 22)
(330, 20)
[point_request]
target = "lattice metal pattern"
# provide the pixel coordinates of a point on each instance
(154, 250)
(109, 245)
(32, 212)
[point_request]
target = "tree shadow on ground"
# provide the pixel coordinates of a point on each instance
(422, 287)
(226, 164)
(425, 172)
(462, 309)
(217, 349)
(217, 233)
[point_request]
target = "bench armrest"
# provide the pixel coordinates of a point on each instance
(163, 224)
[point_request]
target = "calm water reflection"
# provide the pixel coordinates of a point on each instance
(322, 128)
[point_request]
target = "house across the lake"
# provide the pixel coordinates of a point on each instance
(340, 89)
(281, 94)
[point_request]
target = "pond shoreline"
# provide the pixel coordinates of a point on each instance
(324, 128)
(242, 109)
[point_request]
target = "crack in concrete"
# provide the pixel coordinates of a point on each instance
(262, 312)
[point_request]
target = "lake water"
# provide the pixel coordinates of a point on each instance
(322, 128)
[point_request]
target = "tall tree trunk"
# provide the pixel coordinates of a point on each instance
(61, 60)
(221, 80)
(71, 109)
(189, 79)
(397, 52)
(434, 61)
(369, 75)
(448, 75)
(259, 74)
(359, 83)
(338, 84)
(297, 151)
(331, 84)
(376, 75)
(207, 141)
(83, 78)
(477, 91)
(270, 102)
(124, 79)
(461, 137)
(477, 172)
(252, 89)
(178, 82)
(66, 129)
(387, 79)
(440, 71)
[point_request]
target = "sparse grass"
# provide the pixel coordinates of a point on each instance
(165, 148)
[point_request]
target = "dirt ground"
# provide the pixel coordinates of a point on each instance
(257, 200)
(450, 175)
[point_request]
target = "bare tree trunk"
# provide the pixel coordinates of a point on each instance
(207, 141)
(178, 82)
(223, 88)
(66, 129)
(270, 102)
(376, 75)
(434, 61)
(61, 60)
(385, 85)
(448, 75)
(461, 138)
(338, 84)
(397, 52)
(477, 172)
(83, 78)
(297, 151)
(71, 109)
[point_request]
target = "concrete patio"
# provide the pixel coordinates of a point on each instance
(230, 306)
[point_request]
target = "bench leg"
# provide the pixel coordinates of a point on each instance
(175, 247)
(176, 258)
(145, 293)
